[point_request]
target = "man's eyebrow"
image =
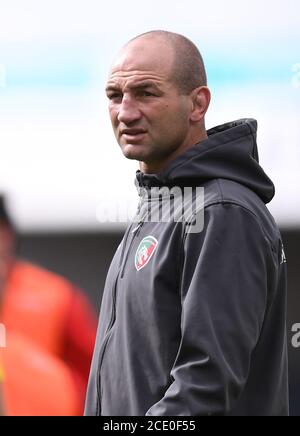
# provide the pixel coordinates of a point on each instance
(112, 88)
(139, 85)
(144, 84)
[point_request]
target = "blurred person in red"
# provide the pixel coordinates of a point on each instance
(49, 312)
(1, 388)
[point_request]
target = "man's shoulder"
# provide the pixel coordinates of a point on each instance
(228, 191)
(225, 191)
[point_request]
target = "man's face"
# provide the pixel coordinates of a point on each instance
(7, 245)
(149, 116)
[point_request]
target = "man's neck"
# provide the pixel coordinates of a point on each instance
(157, 167)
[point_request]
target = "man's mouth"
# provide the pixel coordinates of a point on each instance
(133, 134)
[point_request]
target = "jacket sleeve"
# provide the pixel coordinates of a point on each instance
(224, 298)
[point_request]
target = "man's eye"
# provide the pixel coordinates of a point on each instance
(114, 96)
(146, 94)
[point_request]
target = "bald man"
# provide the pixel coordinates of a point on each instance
(193, 313)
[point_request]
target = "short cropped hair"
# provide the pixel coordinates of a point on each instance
(188, 70)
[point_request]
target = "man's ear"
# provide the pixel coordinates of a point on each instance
(200, 101)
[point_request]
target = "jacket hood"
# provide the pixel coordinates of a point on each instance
(229, 152)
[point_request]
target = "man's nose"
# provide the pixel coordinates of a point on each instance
(128, 111)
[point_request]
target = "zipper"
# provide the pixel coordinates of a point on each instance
(108, 332)
(112, 319)
(114, 302)
(107, 336)
(135, 232)
(101, 356)
(124, 246)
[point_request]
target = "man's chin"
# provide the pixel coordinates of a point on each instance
(134, 152)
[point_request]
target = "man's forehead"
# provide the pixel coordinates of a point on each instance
(135, 78)
(144, 55)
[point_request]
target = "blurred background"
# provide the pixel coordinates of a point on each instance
(60, 167)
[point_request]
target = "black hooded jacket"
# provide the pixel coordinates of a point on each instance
(194, 323)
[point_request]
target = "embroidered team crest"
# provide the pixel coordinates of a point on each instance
(145, 251)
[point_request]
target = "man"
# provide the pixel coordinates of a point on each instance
(47, 320)
(197, 326)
